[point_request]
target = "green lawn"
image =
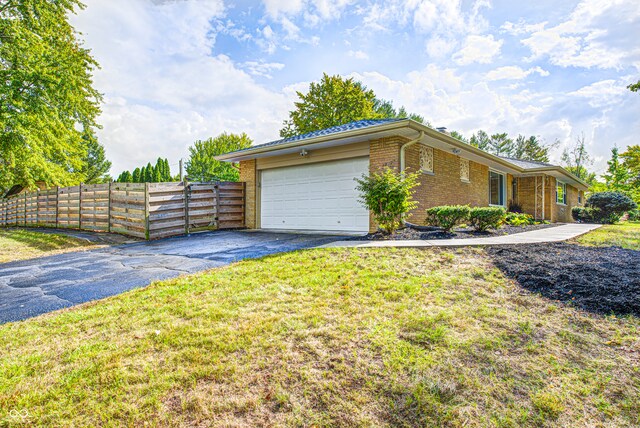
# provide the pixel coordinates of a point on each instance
(326, 337)
(625, 235)
(20, 244)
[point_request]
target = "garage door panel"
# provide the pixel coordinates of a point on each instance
(318, 196)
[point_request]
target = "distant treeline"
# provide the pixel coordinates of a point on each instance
(158, 173)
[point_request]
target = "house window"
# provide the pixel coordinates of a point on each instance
(579, 197)
(496, 188)
(561, 192)
(426, 159)
(464, 169)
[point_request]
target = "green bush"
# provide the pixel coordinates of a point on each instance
(582, 214)
(608, 207)
(447, 216)
(389, 196)
(483, 218)
(634, 215)
(519, 219)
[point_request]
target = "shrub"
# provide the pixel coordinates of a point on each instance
(634, 215)
(447, 216)
(582, 214)
(388, 195)
(519, 219)
(483, 218)
(608, 207)
(514, 207)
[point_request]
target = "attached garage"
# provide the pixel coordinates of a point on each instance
(307, 182)
(316, 196)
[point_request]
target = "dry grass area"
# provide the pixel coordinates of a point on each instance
(625, 235)
(20, 244)
(333, 337)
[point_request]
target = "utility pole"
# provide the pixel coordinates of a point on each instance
(181, 176)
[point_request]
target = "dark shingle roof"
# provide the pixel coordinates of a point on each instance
(526, 164)
(359, 124)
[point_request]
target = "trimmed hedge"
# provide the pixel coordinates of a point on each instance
(483, 218)
(448, 216)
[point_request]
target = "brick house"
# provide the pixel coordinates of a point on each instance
(307, 182)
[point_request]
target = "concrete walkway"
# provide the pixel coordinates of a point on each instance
(552, 234)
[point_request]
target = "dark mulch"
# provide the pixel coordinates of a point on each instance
(425, 233)
(604, 280)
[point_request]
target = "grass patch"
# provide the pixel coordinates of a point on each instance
(20, 244)
(326, 337)
(625, 235)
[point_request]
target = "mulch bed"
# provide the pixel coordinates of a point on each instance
(426, 233)
(604, 280)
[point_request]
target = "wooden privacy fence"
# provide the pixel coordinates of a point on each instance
(142, 210)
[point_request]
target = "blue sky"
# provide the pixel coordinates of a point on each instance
(176, 71)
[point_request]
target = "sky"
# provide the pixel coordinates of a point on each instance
(176, 71)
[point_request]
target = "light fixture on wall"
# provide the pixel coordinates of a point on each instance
(303, 153)
(455, 151)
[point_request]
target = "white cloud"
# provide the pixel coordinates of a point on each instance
(513, 72)
(480, 49)
(439, 47)
(162, 87)
(276, 8)
(358, 55)
(602, 93)
(261, 68)
(596, 34)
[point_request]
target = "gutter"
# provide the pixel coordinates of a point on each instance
(404, 147)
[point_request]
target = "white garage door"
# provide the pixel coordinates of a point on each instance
(320, 196)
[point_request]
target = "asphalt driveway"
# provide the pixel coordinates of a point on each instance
(33, 287)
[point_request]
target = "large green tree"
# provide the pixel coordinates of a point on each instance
(330, 102)
(47, 99)
(202, 166)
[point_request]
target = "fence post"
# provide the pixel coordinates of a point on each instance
(109, 209)
(37, 207)
(57, 200)
(186, 196)
(25, 209)
(216, 189)
(146, 211)
(80, 206)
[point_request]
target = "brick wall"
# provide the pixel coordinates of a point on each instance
(248, 175)
(444, 186)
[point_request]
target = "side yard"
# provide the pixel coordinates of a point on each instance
(625, 235)
(327, 337)
(21, 244)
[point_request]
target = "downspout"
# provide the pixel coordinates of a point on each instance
(403, 148)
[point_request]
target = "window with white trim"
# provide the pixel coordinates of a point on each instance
(561, 192)
(496, 188)
(426, 159)
(464, 169)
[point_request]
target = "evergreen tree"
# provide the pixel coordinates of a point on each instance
(136, 176)
(148, 173)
